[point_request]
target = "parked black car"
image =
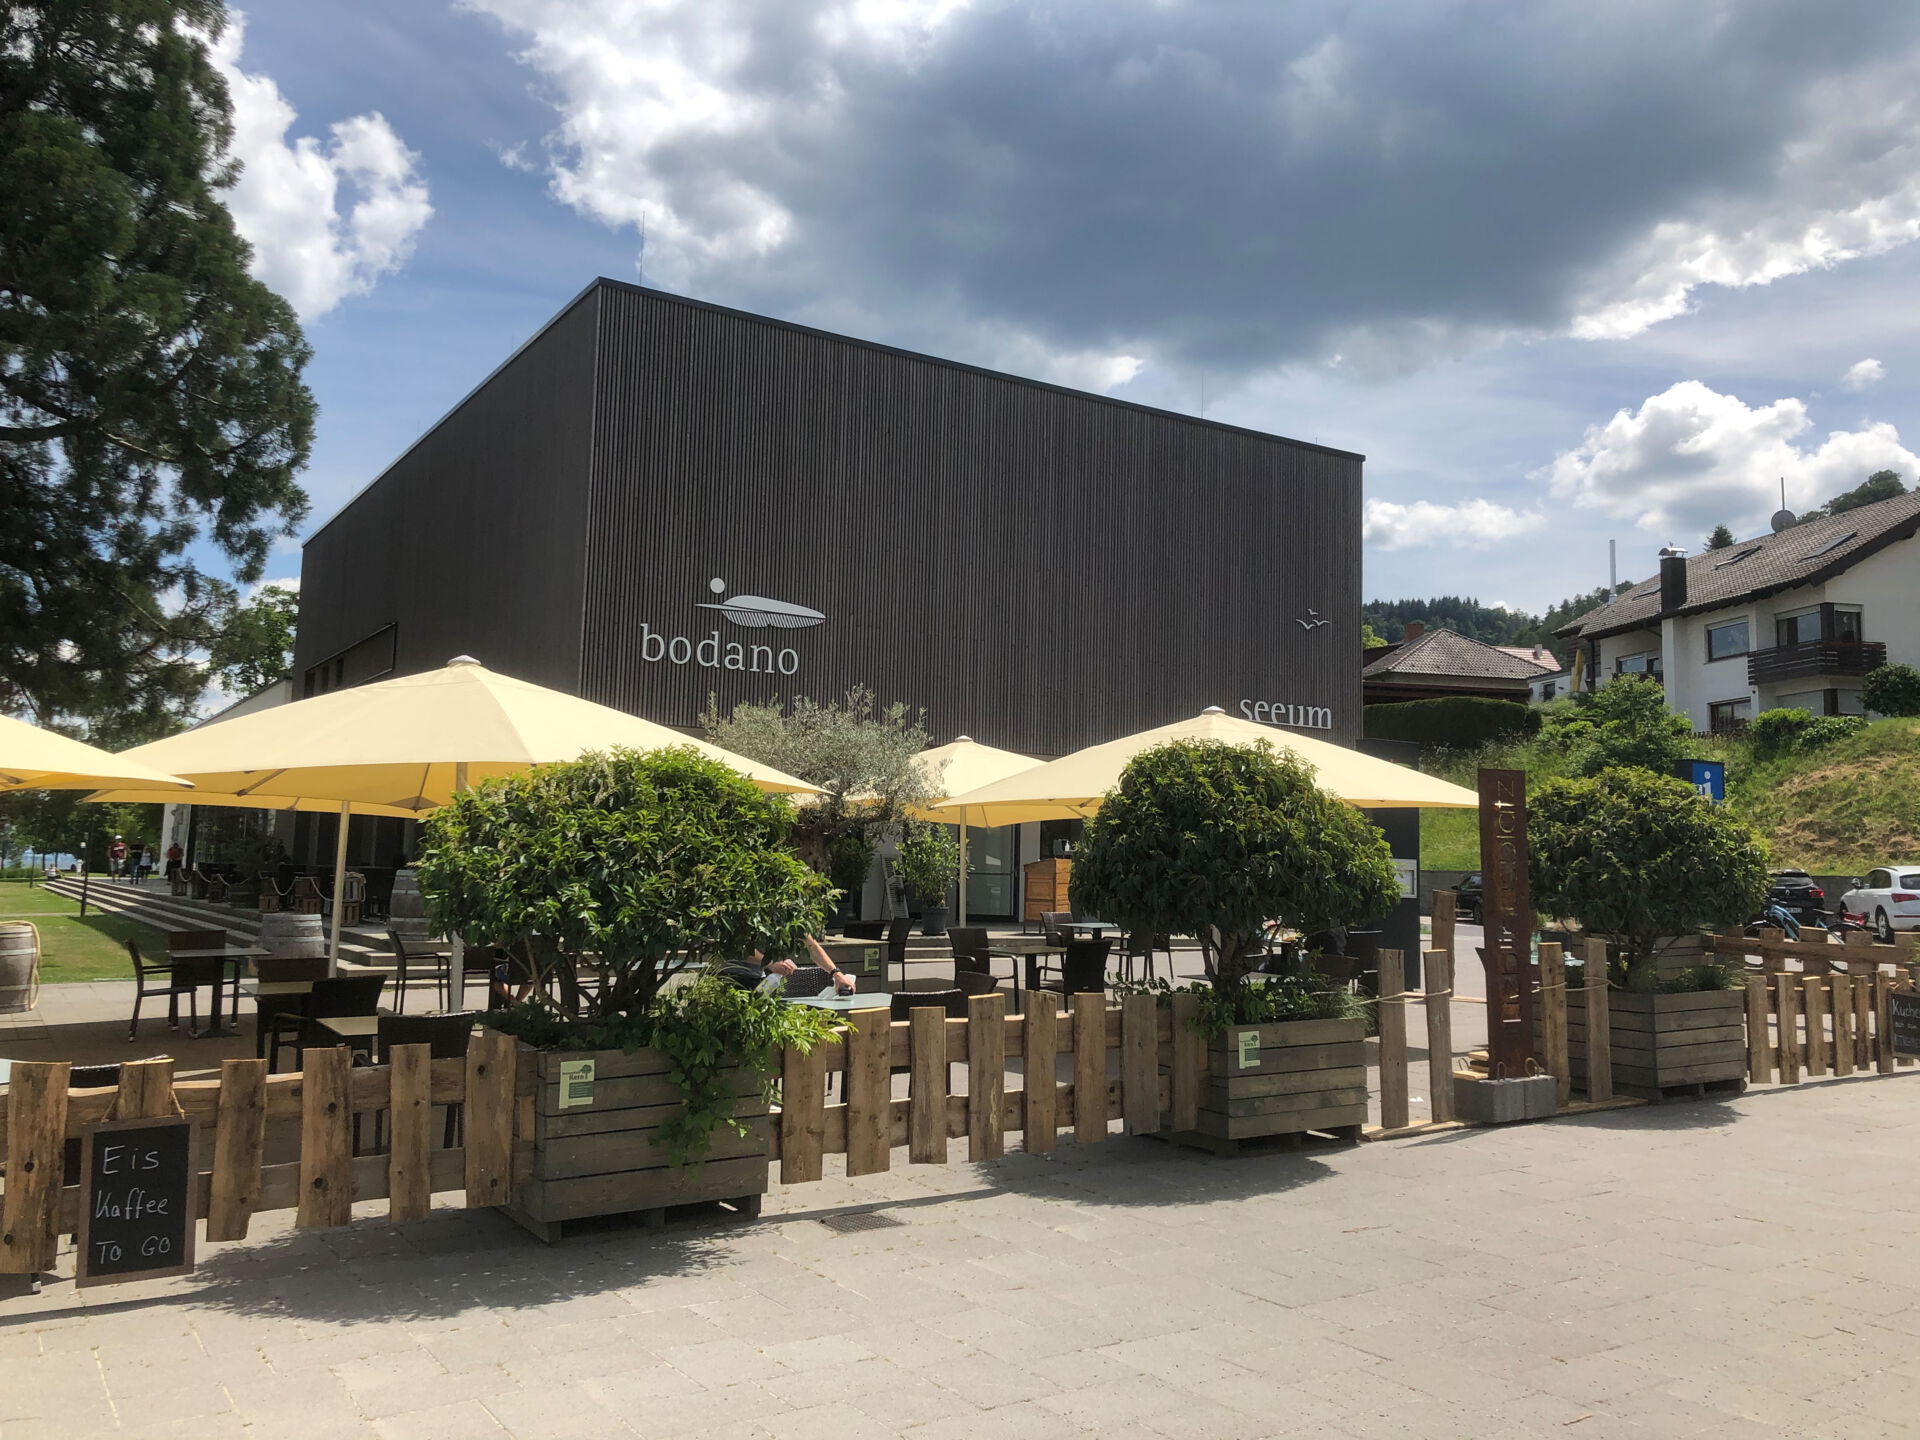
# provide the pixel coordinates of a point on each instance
(1795, 891)
(1468, 898)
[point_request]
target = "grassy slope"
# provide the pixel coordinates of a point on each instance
(72, 948)
(1836, 811)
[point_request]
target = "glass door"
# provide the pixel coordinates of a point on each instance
(992, 853)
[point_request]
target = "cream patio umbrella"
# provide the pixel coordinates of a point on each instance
(410, 744)
(1073, 786)
(35, 759)
(955, 768)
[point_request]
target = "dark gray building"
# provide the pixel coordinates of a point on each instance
(656, 500)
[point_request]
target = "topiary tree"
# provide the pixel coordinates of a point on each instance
(1776, 732)
(1626, 722)
(1892, 690)
(1641, 859)
(929, 860)
(640, 859)
(1214, 840)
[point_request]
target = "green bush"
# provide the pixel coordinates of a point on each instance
(929, 860)
(1892, 690)
(1777, 732)
(1457, 722)
(1640, 860)
(1625, 722)
(1828, 730)
(1213, 840)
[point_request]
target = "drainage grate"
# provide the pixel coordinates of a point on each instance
(860, 1220)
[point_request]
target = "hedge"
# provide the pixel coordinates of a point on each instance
(1457, 722)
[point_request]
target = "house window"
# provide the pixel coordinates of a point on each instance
(1798, 629)
(1846, 625)
(1726, 715)
(1726, 641)
(1647, 663)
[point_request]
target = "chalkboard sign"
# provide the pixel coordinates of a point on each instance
(136, 1200)
(1905, 1014)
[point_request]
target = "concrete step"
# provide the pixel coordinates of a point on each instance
(366, 946)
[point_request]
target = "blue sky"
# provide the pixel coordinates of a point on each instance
(1562, 272)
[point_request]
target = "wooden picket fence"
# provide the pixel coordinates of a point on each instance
(1816, 1021)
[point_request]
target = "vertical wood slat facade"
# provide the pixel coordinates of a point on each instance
(976, 542)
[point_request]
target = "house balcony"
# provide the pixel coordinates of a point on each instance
(1815, 660)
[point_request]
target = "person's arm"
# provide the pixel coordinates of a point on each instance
(842, 981)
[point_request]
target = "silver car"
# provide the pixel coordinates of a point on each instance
(1889, 897)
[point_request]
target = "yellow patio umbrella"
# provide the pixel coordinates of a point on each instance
(35, 759)
(304, 805)
(1073, 786)
(407, 745)
(956, 768)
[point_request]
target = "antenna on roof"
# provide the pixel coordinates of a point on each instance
(1783, 518)
(1613, 566)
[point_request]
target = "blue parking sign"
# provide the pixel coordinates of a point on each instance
(1708, 778)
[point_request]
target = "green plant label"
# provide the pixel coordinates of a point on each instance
(1249, 1049)
(576, 1083)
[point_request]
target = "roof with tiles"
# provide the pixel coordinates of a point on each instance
(1444, 652)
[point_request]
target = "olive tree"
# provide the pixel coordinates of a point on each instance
(1214, 840)
(1640, 860)
(645, 860)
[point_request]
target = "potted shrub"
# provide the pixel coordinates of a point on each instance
(1643, 862)
(1214, 840)
(929, 856)
(849, 862)
(603, 877)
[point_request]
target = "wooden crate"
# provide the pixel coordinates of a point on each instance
(1046, 888)
(1660, 1043)
(607, 1158)
(1311, 1076)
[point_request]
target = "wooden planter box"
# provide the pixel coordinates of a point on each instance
(606, 1157)
(1663, 1042)
(1311, 1075)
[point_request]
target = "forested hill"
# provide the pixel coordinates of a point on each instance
(1494, 624)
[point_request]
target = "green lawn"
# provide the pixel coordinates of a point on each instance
(72, 948)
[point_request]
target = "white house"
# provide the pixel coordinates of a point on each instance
(1789, 620)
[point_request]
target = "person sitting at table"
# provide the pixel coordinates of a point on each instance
(750, 975)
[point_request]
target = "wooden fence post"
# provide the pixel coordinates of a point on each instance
(326, 1137)
(1841, 987)
(1553, 1022)
(927, 1095)
(1041, 1118)
(1814, 993)
(1394, 1114)
(410, 1157)
(1759, 1052)
(1445, 908)
(803, 1115)
(1439, 977)
(869, 1092)
(1140, 1063)
(1189, 1064)
(1089, 1068)
(1599, 1025)
(1786, 1021)
(36, 1153)
(986, 1076)
(1882, 1023)
(491, 1057)
(239, 1148)
(146, 1091)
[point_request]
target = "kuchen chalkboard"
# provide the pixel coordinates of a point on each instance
(136, 1200)
(1905, 1015)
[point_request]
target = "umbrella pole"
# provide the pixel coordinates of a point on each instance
(457, 947)
(339, 889)
(963, 872)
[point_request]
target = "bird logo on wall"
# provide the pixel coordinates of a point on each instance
(756, 612)
(1313, 623)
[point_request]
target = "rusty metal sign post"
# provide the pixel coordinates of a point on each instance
(1507, 912)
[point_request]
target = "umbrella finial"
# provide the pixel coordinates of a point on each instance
(963, 739)
(1213, 710)
(461, 660)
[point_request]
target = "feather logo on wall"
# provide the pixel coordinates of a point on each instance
(757, 612)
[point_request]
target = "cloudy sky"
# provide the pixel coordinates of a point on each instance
(1564, 272)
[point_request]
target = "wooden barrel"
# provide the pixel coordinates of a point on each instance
(244, 893)
(291, 936)
(407, 908)
(19, 966)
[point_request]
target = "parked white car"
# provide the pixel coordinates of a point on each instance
(1889, 897)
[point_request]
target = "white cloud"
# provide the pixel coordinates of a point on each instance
(1862, 374)
(326, 219)
(1471, 524)
(1690, 458)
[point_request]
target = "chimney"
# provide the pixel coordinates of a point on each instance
(1411, 632)
(1673, 582)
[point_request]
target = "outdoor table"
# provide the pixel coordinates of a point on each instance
(1094, 928)
(271, 998)
(359, 1031)
(226, 955)
(872, 1000)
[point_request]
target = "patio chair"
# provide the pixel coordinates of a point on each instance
(205, 972)
(1053, 925)
(897, 934)
(153, 978)
(904, 1003)
(341, 995)
(446, 1038)
(973, 952)
(1083, 968)
(432, 961)
(1143, 947)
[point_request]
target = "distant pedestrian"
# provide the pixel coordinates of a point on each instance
(117, 857)
(174, 855)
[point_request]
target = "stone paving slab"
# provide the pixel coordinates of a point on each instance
(1733, 1268)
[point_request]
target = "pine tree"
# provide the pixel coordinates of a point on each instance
(1720, 539)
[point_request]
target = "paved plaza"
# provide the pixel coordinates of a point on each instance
(1732, 1268)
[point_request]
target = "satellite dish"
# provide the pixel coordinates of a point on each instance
(1783, 520)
